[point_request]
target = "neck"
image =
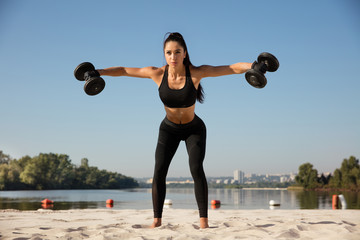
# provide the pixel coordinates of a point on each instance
(177, 70)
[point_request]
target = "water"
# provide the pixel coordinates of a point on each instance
(181, 198)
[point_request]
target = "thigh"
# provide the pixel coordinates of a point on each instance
(165, 149)
(196, 144)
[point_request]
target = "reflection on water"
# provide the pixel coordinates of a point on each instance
(253, 199)
(181, 198)
(23, 205)
(75, 199)
(323, 200)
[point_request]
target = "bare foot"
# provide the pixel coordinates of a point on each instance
(204, 223)
(156, 223)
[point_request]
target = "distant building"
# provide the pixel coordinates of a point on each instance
(292, 176)
(239, 176)
(284, 179)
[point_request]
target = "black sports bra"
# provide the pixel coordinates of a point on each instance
(178, 98)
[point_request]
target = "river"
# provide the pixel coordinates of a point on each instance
(181, 198)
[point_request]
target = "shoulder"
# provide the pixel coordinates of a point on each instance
(155, 73)
(199, 69)
(199, 72)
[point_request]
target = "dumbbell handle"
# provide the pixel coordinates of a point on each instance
(262, 67)
(91, 74)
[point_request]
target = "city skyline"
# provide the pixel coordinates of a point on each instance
(246, 175)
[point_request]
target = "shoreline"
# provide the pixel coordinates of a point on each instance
(180, 224)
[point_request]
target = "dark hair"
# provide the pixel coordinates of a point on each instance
(177, 37)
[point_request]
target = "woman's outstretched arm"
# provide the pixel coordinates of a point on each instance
(146, 72)
(153, 73)
(216, 71)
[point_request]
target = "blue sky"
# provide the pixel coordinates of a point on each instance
(308, 112)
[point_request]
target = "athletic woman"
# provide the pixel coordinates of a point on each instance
(179, 88)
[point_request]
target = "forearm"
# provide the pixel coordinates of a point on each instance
(240, 67)
(112, 71)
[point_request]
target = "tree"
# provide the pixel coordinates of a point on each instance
(350, 173)
(4, 170)
(31, 175)
(55, 171)
(4, 158)
(324, 180)
(48, 171)
(307, 176)
(336, 180)
(24, 161)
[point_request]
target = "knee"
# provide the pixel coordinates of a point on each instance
(197, 170)
(159, 175)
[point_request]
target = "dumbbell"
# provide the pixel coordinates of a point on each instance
(94, 83)
(266, 62)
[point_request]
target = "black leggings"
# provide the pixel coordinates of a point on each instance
(170, 135)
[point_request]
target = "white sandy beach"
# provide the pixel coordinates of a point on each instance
(180, 224)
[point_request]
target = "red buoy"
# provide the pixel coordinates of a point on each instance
(215, 202)
(109, 203)
(335, 201)
(47, 206)
(215, 206)
(47, 201)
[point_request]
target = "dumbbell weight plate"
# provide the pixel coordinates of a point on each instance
(255, 78)
(270, 60)
(94, 86)
(82, 69)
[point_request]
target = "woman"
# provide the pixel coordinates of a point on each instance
(179, 88)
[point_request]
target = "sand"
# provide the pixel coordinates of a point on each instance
(180, 224)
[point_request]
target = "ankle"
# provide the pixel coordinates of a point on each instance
(204, 222)
(156, 223)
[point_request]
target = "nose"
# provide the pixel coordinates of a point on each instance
(173, 56)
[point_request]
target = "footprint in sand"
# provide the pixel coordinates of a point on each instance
(349, 223)
(196, 227)
(265, 225)
(235, 224)
(291, 233)
(302, 228)
(137, 226)
(323, 222)
(75, 229)
(45, 228)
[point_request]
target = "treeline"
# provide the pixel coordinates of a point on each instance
(345, 177)
(55, 171)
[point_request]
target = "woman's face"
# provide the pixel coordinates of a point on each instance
(174, 54)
